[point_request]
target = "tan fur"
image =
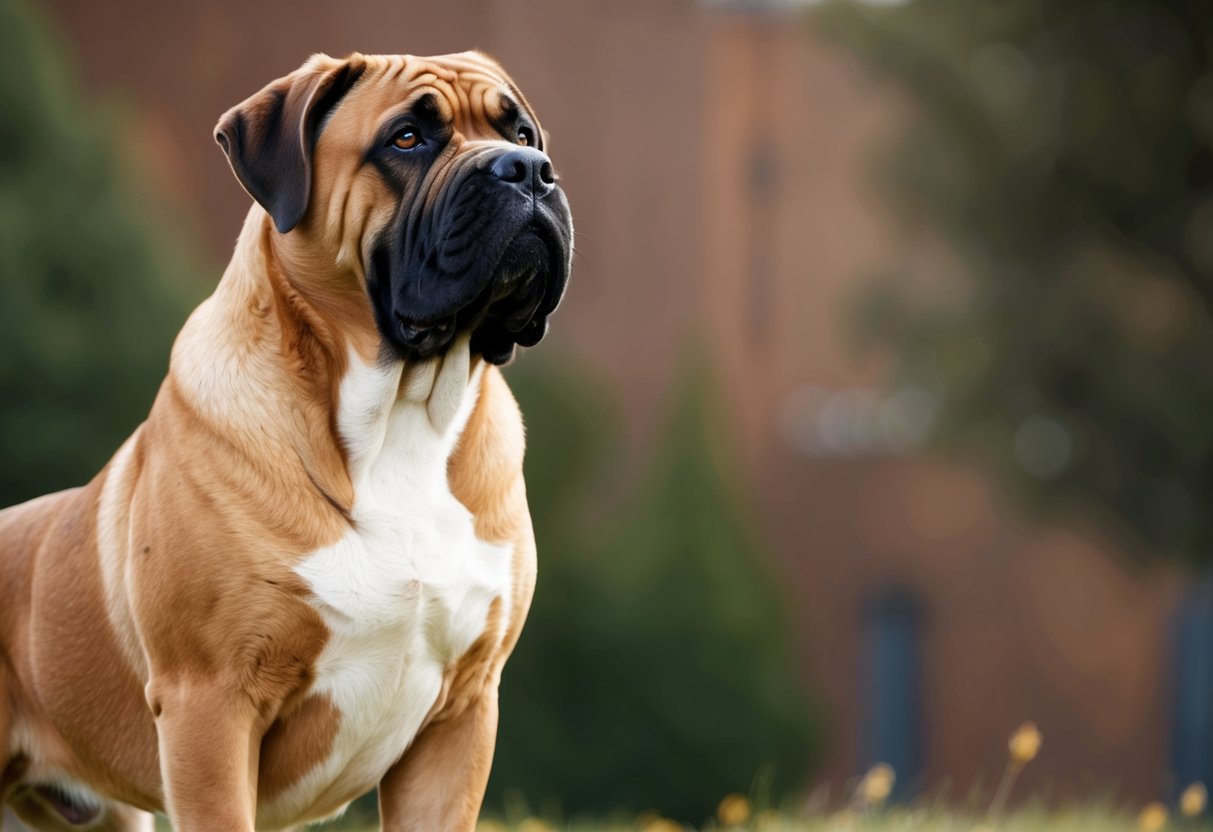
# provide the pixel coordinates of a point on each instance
(156, 644)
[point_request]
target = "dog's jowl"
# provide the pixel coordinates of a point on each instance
(300, 578)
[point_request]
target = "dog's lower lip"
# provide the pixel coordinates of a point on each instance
(411, 329)
(521, 318)
(513, 281)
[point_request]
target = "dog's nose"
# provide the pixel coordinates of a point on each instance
(527, 169)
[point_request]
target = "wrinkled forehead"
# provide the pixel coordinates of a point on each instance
(468, 90)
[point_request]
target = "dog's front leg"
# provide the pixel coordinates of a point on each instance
(208, 755)
(439, 784)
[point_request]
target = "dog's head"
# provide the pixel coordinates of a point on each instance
(423, 180)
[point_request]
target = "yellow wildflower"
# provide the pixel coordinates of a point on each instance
(877, 784)
(734, 810)
(1193, 800)
(1024, 743)
(1153, 817)
(535, 825)
(656, 823)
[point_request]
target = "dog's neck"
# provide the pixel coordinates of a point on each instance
(318, 297)
(321, 334)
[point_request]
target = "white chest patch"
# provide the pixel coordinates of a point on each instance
(408, 589)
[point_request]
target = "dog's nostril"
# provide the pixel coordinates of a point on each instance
(512, 168)
(517, 173)
(546, 174)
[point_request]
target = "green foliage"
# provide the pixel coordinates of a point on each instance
(655, 671)
(89, 300)
(1063, 152)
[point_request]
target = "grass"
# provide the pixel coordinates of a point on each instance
(868, 810)
(1087, 818)
(1083, 819)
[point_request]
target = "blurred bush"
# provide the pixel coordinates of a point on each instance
(91, 295)
(655, 671)
(1063, 153)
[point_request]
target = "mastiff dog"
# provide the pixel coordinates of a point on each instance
(300, 577)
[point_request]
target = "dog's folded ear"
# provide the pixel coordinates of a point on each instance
(269, 137)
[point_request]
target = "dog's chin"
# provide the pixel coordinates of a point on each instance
(509, 312)
(414, 341)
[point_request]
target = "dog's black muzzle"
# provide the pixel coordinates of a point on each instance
(490, 255)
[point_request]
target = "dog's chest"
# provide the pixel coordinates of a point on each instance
(404, 593)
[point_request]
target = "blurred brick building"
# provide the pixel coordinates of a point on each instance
(716, 163)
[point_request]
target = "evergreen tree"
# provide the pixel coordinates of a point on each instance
(90, 295)
(1063, 152)
(655, 670)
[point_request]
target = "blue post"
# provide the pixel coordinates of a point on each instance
(892, 707)
(1192, 732)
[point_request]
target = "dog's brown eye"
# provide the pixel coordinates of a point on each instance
(406, 139)
(526, 138)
